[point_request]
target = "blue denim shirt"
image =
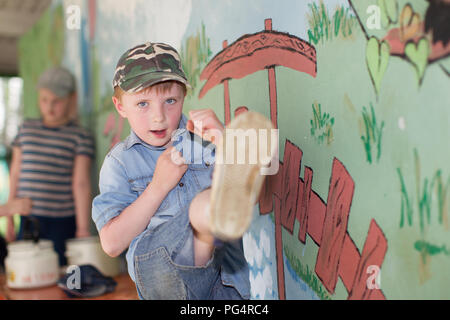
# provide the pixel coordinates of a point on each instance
(126, 172)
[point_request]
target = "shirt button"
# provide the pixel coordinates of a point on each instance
(181, 184)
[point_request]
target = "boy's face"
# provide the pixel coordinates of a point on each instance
(55, 111)
(153, 115)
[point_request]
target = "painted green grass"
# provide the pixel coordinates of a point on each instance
(321, 125)
(423, 196)
(307, 275)
(428, 249)
(323, 26)
(373, 134)
(421, 201)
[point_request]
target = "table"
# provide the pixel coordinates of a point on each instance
(125, 290)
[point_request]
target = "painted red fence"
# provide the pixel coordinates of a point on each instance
(292, 199)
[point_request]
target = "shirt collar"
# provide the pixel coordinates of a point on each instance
(133, 139)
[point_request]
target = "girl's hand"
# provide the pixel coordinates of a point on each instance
(82, 233)
(20, 206)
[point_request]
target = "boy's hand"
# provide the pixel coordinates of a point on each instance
(169, 169)
(204, 123)
(20, 206)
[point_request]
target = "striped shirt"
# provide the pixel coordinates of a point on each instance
(46, 169)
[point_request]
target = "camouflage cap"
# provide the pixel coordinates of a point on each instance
(147, 64)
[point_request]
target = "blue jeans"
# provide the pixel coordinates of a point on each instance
(164, 266)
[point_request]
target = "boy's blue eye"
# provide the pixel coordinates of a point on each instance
(142, 104)
(171, 101)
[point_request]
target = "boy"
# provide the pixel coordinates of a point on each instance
(156, 204)
(51, 162)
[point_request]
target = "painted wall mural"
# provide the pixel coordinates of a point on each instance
(359, 92)
(289, 197)
(41, 47)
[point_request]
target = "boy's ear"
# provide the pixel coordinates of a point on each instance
(119, 107)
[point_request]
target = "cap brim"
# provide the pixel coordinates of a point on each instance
(146, 80)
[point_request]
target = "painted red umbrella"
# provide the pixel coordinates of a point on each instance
(255, 52)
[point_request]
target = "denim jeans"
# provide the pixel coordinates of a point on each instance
(164, 266)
